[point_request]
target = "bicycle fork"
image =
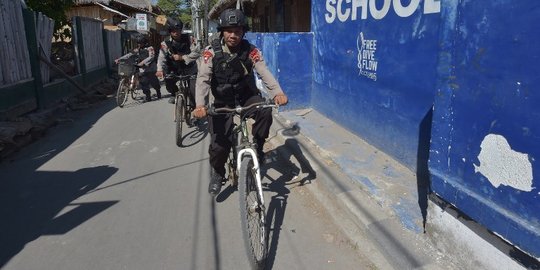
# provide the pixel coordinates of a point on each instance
(256, 167)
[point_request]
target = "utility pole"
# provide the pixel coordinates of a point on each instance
(199, 12)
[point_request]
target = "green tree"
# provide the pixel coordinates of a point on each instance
(56, 10)
(180, 9)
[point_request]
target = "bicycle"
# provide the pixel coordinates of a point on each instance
(243, 169)
(129, 79)
(182, 104)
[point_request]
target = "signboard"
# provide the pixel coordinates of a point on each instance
(142, 23)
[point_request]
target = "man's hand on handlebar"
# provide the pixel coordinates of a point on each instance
(177, 57)
(159, 74)
(280, 99)
(199, 112)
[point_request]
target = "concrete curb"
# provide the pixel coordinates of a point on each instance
(374, 230)
(369, 217)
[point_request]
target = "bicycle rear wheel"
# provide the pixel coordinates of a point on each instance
(180, 118)
(121, 93)
(252, 212)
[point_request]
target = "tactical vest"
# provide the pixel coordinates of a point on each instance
(179, 47)
(143, 53)
(229, 78)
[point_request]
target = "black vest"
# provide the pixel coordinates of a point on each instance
(143, 53)
(179, 47)
(229, 78)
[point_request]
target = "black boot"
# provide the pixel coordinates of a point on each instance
(148, 98)
(215, 182)
(158, 94)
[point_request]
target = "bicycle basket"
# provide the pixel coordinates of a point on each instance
(126, 68)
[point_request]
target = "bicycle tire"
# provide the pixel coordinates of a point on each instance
(180, 118)
(252, 216)
(133, 94)
(121, 93)
(133, 85)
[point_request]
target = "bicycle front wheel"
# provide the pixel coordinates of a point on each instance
(180, 118)
(252, 212)
(121, 93)
(133, 85)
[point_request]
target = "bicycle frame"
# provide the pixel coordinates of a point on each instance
(246, 147)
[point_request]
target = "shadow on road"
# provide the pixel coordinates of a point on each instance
(280, 187)
(35, 202)
(196, 135)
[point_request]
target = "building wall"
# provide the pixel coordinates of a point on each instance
(445, 87)
(282, 16)
(94, 12)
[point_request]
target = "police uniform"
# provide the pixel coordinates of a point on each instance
(230, 78)
(147, 70)
(187, 66)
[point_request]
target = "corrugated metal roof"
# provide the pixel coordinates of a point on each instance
(141, 4)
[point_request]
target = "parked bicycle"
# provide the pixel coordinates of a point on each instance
(183, 106)
(243, 169)
(129, 79)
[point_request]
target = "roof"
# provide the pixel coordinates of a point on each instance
(140, 4)
(224, 4)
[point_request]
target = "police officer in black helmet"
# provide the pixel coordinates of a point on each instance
(178, 55)
(227, 71)
(147, 66)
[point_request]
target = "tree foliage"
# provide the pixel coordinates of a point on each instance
(180, 9)
(56, 10)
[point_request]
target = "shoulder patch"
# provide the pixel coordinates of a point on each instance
(207, 54)
(255, 55)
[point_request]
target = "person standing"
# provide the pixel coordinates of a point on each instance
(227, 71)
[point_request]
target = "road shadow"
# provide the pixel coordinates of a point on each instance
(288, 177)
(35, 202)
(32, 205)
(197, 134)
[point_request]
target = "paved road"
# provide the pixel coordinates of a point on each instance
(107, 188)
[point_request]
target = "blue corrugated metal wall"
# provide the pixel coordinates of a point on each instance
(380, 67)
(486, 138)
(376, 76)
(289, 58)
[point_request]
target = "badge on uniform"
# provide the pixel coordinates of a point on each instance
(207, 55)
(255, 55)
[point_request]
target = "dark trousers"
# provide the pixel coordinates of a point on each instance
(221, 126)
(170, 85)
(148, 79)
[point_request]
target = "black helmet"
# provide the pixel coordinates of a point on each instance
(175, 25)
(141, 39)
(232, 17)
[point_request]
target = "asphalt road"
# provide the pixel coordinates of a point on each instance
(107, 188)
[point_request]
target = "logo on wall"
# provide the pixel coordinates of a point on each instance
(367, 63)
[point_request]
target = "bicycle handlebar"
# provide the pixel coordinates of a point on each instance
(180, 77)
(237, 110)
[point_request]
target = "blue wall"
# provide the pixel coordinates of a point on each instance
(455, 82)
(289, 58)
(386, 103)
(486, 135)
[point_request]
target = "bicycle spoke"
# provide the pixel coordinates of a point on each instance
(253, 214)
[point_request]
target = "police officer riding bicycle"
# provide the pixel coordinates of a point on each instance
(178, 55)
(147, 66)
(227, 70)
